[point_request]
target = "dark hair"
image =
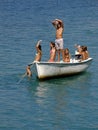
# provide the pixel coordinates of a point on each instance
(66, 49)
(60, 24)
(40, 47)
(53, 44)
(84, 48)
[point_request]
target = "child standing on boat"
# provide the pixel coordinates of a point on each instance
(39, 51)
(37, 57)
(52, 52)
(59, 26)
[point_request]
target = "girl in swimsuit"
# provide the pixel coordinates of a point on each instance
(52, 52)
(66, 55)
(39, 52)
(37, 58)
(84, 53)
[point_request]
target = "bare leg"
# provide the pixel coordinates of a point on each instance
(63, 54)
(58, 52)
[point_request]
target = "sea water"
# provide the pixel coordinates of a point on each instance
(68, 103)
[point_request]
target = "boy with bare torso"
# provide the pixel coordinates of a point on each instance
(58, 24)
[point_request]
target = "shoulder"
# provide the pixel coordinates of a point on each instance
(53, 50)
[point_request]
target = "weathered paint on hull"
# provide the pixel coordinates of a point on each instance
(49, 70)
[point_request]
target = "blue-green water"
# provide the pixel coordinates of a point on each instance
(69, 103)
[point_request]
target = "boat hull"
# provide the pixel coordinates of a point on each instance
(57, 69)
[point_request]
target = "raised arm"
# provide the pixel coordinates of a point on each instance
(60, 21)
(38, 43)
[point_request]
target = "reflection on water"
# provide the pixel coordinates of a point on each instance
(42, 88)
(62, 99)
(69, 103)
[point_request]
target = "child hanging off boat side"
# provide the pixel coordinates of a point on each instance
(28, 71)
(37, 58)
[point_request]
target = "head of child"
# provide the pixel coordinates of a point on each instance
(66, 51)
(52, 45)
(56, 24)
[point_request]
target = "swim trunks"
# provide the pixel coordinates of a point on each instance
(59, 43)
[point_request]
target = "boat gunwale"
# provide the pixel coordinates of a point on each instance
(65, 63)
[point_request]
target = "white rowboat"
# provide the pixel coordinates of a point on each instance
(57, 69)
